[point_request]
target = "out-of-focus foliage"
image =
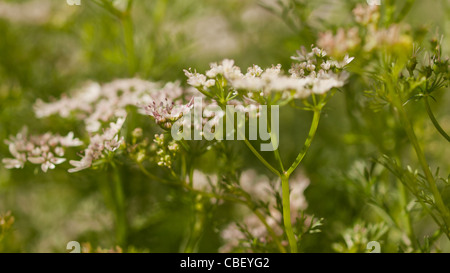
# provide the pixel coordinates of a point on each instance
(365, 182)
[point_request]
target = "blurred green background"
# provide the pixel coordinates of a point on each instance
(48, 48)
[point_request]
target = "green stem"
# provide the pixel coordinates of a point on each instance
(186, 186)
(270, 230)
(197, 226)
(404, 11)
(191, 177)
(285, 181)
(108, 6)
(425, 167)
(274, 140)
(259, 156)
(199, 216)
(311, 134)
(128, 33)
(407, 216)
(119, 200)
(434, 120)
(254, 151)
(287, 213)
(260, 216)
(413, 188)
(246, 202)
(129, 5)
(183, 166)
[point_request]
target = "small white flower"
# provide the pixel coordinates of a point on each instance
(210, 83)
(167, 112)
(326, 65)
(302, 55)
(70, 141)
(310, 67)
(254, 71)
(108, 141)
(38, 149)
(59, 151)
(319, 52)
(14, 163)
(226, 68)
(345, 62)
(114, 144)
(195, 79)
(82, 164)
(47, 161)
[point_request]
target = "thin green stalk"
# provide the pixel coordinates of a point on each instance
(154, 177)
(404, 205)
(195, 236)
(128, 33)
(274, 140)
(199, 216)
(411, 187)
(434, 120)
(404, 11)
(278, 159)
(197, 226)
(285, 181)
(254, 151)
(119, 200)
(270, 230)
(183, 166)
(258, 214)
(425, 167)
(186, 186)
(311, 134)
(191, 172)
(260, 157)
(107, 5)
(407, 216)
(129, 5)
(246, 202)
(287, 213)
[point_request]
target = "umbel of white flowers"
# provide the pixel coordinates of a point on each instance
(213, 128)
(97, 106)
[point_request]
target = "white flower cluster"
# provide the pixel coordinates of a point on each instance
(198, 80)
(166, 112)
(96, 104)
(46, 150)
(368, 36)
(344, 41)
(315, 73)
(258, 186)
(100, 144)
(366, 14)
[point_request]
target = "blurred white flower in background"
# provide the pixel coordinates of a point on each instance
(36, 12)
(258, 186)
(39, 149)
